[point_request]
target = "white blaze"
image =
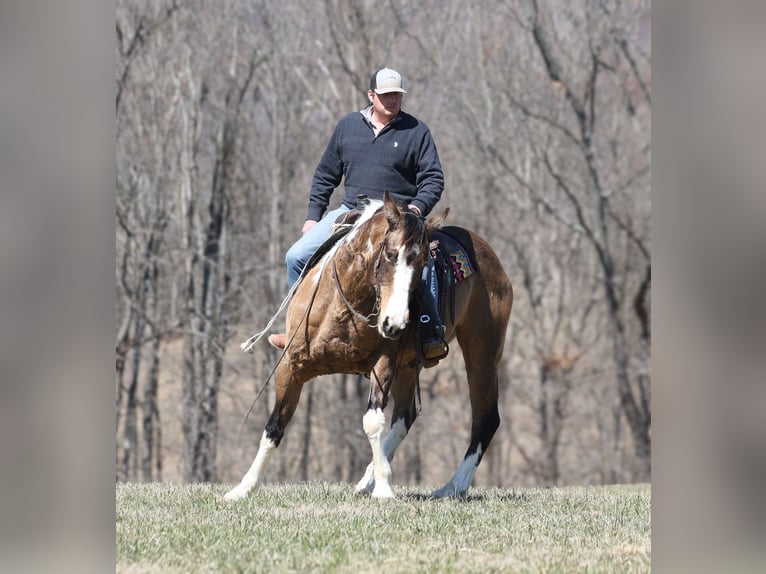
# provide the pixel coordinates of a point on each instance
(397, 309)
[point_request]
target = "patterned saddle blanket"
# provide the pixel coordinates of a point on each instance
(459, 260)
(455, 261)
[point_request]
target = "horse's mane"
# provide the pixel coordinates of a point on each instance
(325, 252)
(343, 234)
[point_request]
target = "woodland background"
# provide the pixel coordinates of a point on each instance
(541, 113)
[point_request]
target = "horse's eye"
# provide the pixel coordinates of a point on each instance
(390, 255)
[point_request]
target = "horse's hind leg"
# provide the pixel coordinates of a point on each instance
(288, 392)
(403, 394)
(485, 421)
(482, 355)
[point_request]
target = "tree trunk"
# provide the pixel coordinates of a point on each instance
(208, 287)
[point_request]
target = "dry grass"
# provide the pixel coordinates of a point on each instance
(319, 527)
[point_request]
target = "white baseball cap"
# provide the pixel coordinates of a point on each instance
(385, 81)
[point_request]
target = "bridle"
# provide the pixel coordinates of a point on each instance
(371, 319)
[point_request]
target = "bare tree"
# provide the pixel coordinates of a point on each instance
(584, 156)
(541, 114)
(142, 217)
(593, 210)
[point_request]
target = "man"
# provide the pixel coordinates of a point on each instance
(377, 148)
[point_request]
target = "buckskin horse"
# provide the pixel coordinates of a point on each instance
(351, 313)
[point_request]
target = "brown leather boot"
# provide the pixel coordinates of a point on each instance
(435, 350)
(278, 341)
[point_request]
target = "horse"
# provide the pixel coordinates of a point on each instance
(351, 313)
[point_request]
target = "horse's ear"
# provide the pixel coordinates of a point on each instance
(434, 222)
(391, 210)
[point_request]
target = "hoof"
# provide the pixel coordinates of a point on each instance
(366, 485)
(382, 491)
(447, 491)
(235, 494)
(363, 488)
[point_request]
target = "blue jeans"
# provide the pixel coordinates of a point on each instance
(302, 250)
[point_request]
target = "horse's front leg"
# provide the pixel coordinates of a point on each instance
(393, 439)
(374, 421)
(405, 413)
(254, 476)
(288, 391)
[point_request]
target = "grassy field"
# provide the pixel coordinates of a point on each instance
(316, 527)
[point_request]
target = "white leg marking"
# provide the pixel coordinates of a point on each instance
(254, 476)
(458, 484)
(397, 309)
(368, 480)
(373, 422)
(392, 441)
(394, 438)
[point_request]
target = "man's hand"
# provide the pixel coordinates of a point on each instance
(308, 225)
(415, 209)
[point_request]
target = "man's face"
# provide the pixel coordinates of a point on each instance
(386, 106)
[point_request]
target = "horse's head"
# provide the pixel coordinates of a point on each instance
(400, 262)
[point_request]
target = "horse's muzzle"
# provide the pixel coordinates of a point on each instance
(391, 328)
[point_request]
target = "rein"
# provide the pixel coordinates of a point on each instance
(284, 352)
(371, 319)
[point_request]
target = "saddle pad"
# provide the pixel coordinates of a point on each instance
(457, 256)
(461, 264)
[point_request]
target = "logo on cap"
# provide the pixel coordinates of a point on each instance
(385, 81)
